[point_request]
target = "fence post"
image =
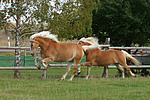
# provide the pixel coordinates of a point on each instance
(9, 41)
(105, 73)
(24, 58)
(44, 75)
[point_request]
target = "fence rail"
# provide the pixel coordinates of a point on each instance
(129, 48)
(12, 48)
(3, 48)
(26, 49)
(65, 65)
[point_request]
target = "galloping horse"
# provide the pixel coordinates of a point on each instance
(54, 51)
(97, 57)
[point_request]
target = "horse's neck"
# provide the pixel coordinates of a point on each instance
(44, 43)
(88, 52)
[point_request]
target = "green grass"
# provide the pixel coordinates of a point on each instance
(31, 87)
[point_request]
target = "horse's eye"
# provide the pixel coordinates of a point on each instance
(80, 43)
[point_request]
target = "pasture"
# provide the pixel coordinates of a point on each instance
(31, 87)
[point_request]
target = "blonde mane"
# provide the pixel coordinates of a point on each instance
(91, 40)
(44, 34)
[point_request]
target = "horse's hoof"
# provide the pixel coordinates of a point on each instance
(79, 73)
(69, 80)
(134, 76)
(81, 64)
(48, 66)
(60, 79)
(39, 68)
(45, 67)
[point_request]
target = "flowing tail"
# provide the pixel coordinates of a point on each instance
(90, 47)
(135, 61)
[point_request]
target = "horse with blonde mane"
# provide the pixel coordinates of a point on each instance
(54, 51)
(97, 57)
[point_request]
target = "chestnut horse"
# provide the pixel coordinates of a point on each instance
(54, 51)
(97, 57)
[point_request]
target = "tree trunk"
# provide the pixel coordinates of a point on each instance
(17, 42)
(17, 56)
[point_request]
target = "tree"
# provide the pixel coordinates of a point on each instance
(126, 22)
(71, 19)
(21, 12)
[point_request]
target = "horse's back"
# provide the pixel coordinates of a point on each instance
(67, 52)
(70, 47)
(103, 58)
(112, 54)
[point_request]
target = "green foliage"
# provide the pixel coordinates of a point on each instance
(2, 15)
(21, 13)
(71, 19)
(126, 22)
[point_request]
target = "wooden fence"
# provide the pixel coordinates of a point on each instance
(44, 75)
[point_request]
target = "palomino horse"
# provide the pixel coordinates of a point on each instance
(97, 57)
(54, 51)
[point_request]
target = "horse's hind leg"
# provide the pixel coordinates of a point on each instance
(129, 70)
(75, 69)
(79, 70)
(66, 73)
(88, 72)
(121, 69)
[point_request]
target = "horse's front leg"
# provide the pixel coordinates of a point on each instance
(35, 62)
(46, 60)
(88, 64)
(83, 64)
(105, 73)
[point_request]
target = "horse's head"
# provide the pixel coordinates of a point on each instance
(35, 40)
(83, 43)
(33, 47)
(87, 41)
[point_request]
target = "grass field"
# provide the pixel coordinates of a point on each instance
(31, 87)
